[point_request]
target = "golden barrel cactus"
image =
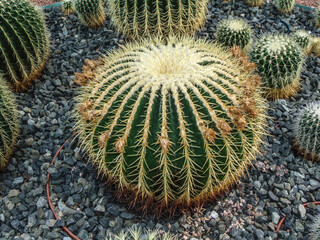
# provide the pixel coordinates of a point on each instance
(173, 121)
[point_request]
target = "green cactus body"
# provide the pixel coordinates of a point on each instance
(307, 131)
(279, 62)
(91, 12)
(285, 6)
(174, 123)
(303, 39)
(24, 45)
(9, 127)
(255, 3)
(234, 32)
(136, 18)
(67, 7)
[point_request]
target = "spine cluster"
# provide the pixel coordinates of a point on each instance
(24, 45)
(175, 123)
(279, 62)
(137, 19)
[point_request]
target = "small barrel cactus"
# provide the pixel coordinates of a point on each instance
(314, 228)
(9, 127)
(137, 19)
(307, 131)
(255, 3)
(315, 46)
(285, 6)
(91, 12)
(234, 32)
(317, 18)
(172, 121)
(67, 7)
(24, 45)
(279, 62)
(303, 39)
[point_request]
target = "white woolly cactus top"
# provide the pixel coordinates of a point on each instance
(237, 25)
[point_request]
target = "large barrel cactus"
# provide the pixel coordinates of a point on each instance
(279, 62)
(234, 32)
(24, 45)
(136, 18)
(91, 12)
(175, 123)
(307, 131)
(9, 127)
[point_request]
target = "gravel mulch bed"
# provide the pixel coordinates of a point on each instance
(277, 185)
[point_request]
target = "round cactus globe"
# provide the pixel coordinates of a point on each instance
(175, 122)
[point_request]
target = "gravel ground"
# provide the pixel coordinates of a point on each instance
(277, 185)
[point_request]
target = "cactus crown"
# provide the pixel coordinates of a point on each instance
(24, 45)
(175, 123)
(317, 18)
(279, 62)
(307, 131)
(234, 32)
(303, 39)
(9, 127)
(68, 7)
(91, 12)
(285, 6)
(255, 3)
(136, 18)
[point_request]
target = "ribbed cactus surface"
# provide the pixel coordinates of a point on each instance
(279, 62)
(285, 6)
(68, 7)
(91, 12)
(233, 32)
(9, 127)
(255, 3)
(173, 123)
(307, 131)
(303, 39)
(315, 46)
(135, 18)
(24, 45)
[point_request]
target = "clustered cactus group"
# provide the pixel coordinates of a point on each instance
(234, 32)
(91, 12)
(307, 131)
(68, 7)
(173, 122)
(279, 62)
(24, 45)
(137, 19)
(285, 6)
(9, 127)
